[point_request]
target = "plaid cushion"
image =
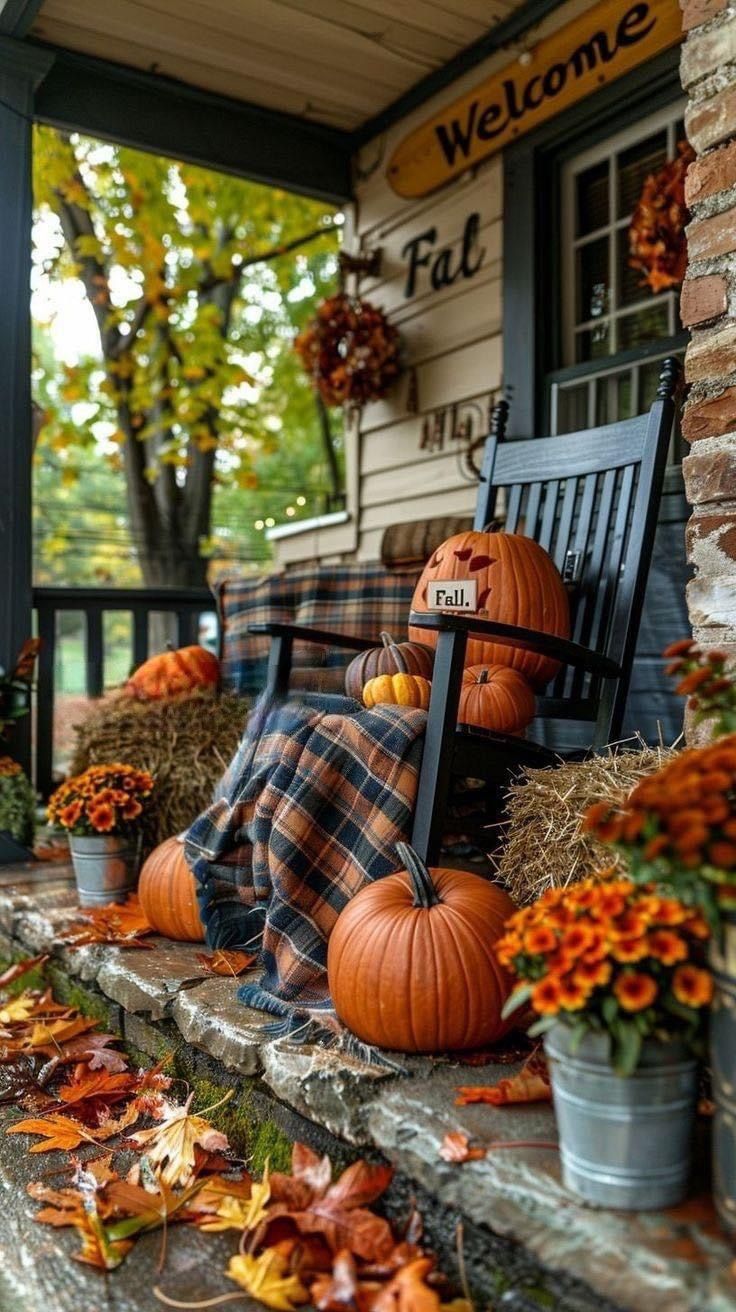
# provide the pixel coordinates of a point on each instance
(311, 810)
(357, 598)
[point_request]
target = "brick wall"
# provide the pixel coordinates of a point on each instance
(708, 305)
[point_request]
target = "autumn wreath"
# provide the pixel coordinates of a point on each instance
(350, 351)
(657, 233)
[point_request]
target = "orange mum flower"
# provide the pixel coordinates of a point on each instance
(627, 950)
(102, 818)
(666, 946)
(591, 974)
(507, 948)
(545, 996)
(539, 940)
(558, 918)
(131, 809)
(610, 903)
(560, 963)
(679, 648)
(723, 855)
(692, 986)
(634, 990)
(70, 814)
(630, 924)
(583, 896)
(574, 993)
(597, 944)
(577, 939)
(671, 912)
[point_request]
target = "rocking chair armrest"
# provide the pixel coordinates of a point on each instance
(510, 635)
(280, 629)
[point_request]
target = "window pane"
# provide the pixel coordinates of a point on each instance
(624, 396)
(634, 165)
(592, 343)
(572, 409)
(592, 199)
(642, 327)
(601, 401)
(593, 290)
(631, 284)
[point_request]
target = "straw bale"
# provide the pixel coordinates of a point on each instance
(185, 742)
(544, 846)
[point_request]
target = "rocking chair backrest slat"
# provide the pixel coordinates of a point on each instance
(513, 508)
(550, 517)
(591, 499)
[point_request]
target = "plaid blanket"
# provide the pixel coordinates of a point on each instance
(359, 598)
(311, 809)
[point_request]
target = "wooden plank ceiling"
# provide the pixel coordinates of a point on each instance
(337, 62)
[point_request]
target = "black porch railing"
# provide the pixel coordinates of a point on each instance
(182, 607)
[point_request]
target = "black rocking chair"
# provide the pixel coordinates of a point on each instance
(591, 499)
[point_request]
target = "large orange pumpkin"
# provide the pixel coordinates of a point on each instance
(518, 583)
(410, 961)
(390, 658)
(173, 672)
(168, 893)
(495, 697)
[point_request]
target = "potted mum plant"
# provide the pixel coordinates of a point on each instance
(17, 802)
(614, 973)
(677, 828)
(102, 810)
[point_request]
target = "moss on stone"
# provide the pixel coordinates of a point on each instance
(270, 1145)
(86, 1001)
(33, 979)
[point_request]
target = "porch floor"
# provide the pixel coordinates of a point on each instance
(528, 1243)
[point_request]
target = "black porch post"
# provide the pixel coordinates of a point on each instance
(21, 71)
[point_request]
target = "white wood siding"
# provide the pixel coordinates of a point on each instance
(452, 337)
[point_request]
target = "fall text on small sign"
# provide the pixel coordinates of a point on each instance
(597, 47)
(454, 594)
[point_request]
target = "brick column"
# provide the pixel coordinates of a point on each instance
(708, 69)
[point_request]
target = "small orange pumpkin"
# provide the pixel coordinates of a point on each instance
(390, 658)
(518, 583)
(495, 697)
(173, 672)
(410, 961)
(398, 690)
(168, 893)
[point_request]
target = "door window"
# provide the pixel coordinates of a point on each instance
(615, 330)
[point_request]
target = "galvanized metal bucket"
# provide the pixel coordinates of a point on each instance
(722, 951)
(624, 1140)
(105, 866)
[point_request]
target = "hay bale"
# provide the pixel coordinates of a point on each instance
(186, 743)
(544, 845)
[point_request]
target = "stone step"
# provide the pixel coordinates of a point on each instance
(524, 1232)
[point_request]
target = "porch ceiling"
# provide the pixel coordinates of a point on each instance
(334, 62)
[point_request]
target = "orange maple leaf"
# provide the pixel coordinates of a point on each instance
(225, 962)
(455, 1147)
(338, 1212)
(530, 1084)
(56, 1131)
(122, 924)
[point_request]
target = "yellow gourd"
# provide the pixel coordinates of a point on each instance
(398, 690)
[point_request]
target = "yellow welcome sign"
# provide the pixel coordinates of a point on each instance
(599, 46)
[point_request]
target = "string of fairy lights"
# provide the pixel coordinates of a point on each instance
(270, 522)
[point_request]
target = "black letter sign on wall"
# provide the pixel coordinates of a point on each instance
(443, 270)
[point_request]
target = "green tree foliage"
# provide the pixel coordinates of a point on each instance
(195, 400)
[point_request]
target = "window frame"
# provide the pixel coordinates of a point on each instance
(532, 208)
